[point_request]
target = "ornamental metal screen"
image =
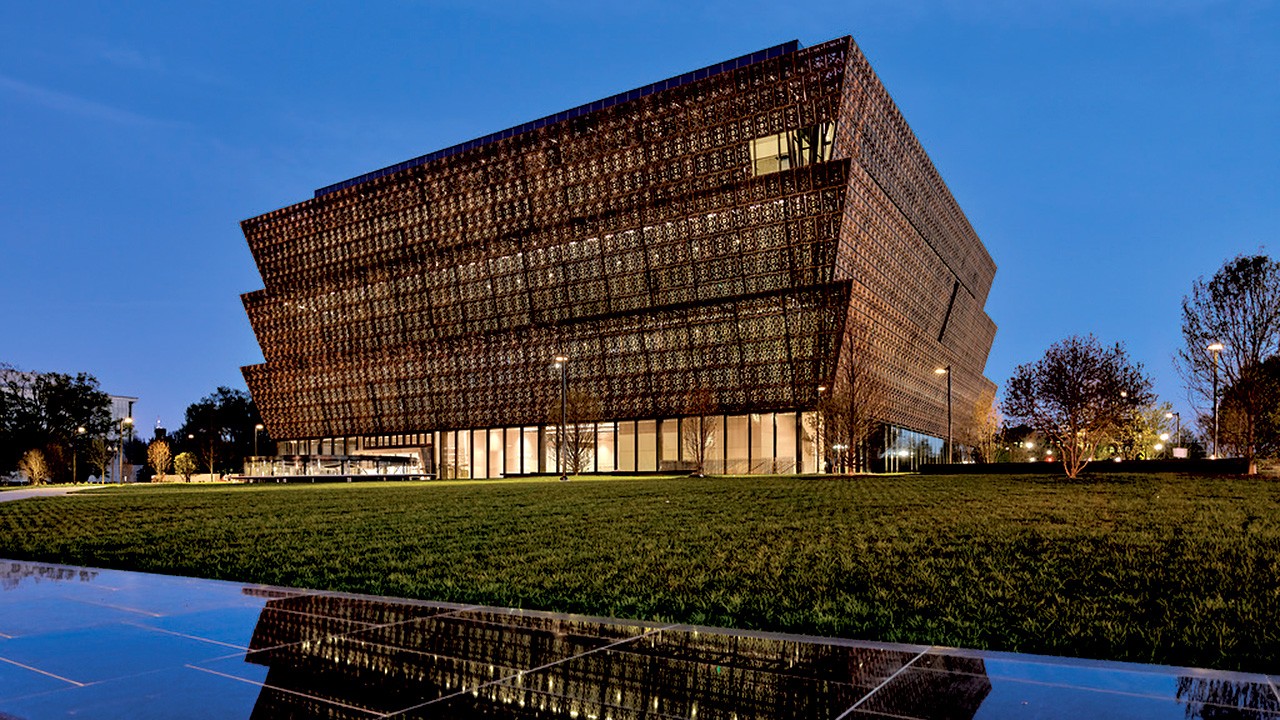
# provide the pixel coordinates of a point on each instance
(727, 232)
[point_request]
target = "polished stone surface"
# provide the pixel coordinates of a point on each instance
(107, 644)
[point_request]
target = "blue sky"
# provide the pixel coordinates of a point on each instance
(1108, 152)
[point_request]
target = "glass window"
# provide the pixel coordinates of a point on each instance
(462, 451)
(762, 443)
(585, 442)
(647, 445)
(479, 454)
(785, 437)
(627, 445)
(670, 443)
(808, 446)
(735, 443)
(715, 446)
(553, 449)
(448, 466)
(511, 450)
(793, 148)
(529, 451)
(605, 448)
(495, 452)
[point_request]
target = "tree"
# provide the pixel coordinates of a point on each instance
(980, 430)
(33, 467)
(1249, 412)
(159, 457)
(222, 425)
(1077, 395)
(1238, 307)
(98, 454)
(44, 410)
(856, 404)
(582, 412)
(699, 427)
(185, 465)
(1138, 434)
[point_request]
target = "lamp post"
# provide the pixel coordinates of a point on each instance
(950, 450)
(256, 429)
(1215, 348)
(120, 459)
(1178, 432)
(75, 455)
(562, 363)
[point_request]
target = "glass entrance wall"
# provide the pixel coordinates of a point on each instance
(760, 443)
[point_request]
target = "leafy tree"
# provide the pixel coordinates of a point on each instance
(980, 430)
(222, 425)
(1249, 412)
(1138, 434)
(1238, 307)
(1077, 395)
(33, 467)
(43, 410)
(699, 428)
(185, 465)
(159, 457)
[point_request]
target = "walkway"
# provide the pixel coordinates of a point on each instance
(25, 493)
(108, 644)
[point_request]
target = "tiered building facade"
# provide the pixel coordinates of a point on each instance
(745, 231)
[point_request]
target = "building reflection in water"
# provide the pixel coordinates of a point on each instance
(363, 655)
(12, 574)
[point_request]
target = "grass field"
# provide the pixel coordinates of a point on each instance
(1148, 568)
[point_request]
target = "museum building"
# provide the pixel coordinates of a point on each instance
(741, 243)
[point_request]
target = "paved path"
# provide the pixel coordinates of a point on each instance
(23, 494)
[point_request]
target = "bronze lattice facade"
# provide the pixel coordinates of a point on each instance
(729, 229)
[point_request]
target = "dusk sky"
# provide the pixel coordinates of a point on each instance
(1107, 152)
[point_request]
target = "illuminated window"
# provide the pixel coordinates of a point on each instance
(792, 148)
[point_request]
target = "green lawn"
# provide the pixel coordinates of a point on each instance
(1148, 568)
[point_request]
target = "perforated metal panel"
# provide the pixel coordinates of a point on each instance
(638, 240)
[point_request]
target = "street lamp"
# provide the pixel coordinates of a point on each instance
(75, 455)
(120, 460)
(1178, 433)
(562, 363)
(256, 429)
(950, 450)
(1215, 348)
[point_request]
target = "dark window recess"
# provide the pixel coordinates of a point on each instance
(947, 318)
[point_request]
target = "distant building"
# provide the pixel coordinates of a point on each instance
(749, 229)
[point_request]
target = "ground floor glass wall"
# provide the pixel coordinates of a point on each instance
(758, 443)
